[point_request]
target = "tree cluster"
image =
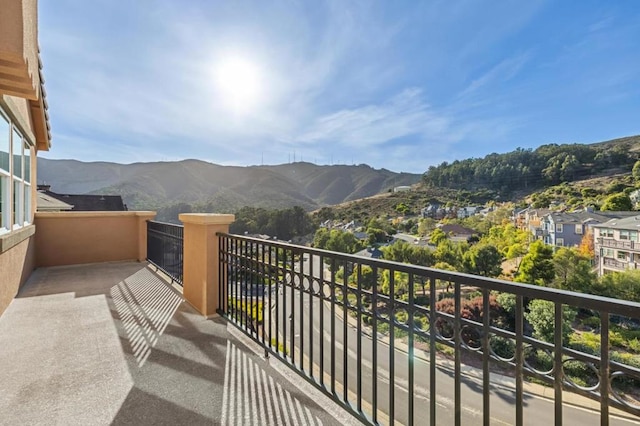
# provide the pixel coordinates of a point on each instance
(284, 224)
(527, 169)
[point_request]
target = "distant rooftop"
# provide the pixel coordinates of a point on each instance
(625, 223)
(79, 202)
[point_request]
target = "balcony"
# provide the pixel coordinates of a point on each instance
(617, 244)
(615, 264)
(362, 332)
(223, 329)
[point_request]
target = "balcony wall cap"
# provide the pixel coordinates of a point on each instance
(207, 218)
(72, 214)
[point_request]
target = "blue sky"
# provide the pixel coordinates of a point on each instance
(400, 85)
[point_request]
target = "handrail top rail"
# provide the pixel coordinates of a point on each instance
(583, 300)
(164, 223)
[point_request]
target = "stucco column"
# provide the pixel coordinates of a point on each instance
(142, 218)
(201, 259)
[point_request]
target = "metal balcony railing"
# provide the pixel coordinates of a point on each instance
(373, 335)
(614, 263)
(611, 243)
(165, 250)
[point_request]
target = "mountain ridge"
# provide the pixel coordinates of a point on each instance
(157, 184)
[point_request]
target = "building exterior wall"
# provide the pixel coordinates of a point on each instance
(23, 110)
(613, 253)
(19, 46)
(16, 264)
(69, 238)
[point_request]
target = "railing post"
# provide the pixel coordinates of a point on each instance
(143, 218)
(201, 259)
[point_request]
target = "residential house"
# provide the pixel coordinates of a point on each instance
(458, 232)
(438, 211)
(468, 211)
(533, 222)
(402, 188)
(46, 203)
(430, 210)
(566, 229)
(370, 252)
(81, 202)
(616, 244)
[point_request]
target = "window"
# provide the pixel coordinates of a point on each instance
(559, 228)
(15, 177)
(579, 229)
(5, 205)
(608, 233)
(18, 195)
(607, 253)
(560, 242)
(622, 255)
(629, 235)
(27, 183)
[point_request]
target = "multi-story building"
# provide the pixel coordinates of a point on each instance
(529, 219)
(563, 229)
(616, 245)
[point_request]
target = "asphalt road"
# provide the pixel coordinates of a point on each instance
(286, 308)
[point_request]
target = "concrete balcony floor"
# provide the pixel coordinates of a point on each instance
(115, 344)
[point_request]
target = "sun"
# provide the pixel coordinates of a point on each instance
(239, 83)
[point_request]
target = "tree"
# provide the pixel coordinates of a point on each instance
(586, 247)
(483, 260)
(537, 265)
(635, 172)
(426, 225)
(336, 240)
(320, 238)
(541, 316)
(617, 202)
(437, 236)
(621, 285)
(367, 278)
(446, 252)
(376, 235)
(573, 271)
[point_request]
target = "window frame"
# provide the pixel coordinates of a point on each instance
(18, 181)
(622, 255)
(606, 232)
(16, 184)
(6, 205)
(559, 242)
(578, 229)
(559, 228)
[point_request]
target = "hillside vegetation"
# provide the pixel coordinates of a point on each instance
(570, 175)
(527, 170)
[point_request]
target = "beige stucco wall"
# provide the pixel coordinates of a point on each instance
(16, 265)
(19, 42)
(201, 281)
(69, 238)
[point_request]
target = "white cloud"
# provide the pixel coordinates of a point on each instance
(403, 115)
(502, 72)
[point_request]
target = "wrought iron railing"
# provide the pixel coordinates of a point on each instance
(165, 248)
(389, 341)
